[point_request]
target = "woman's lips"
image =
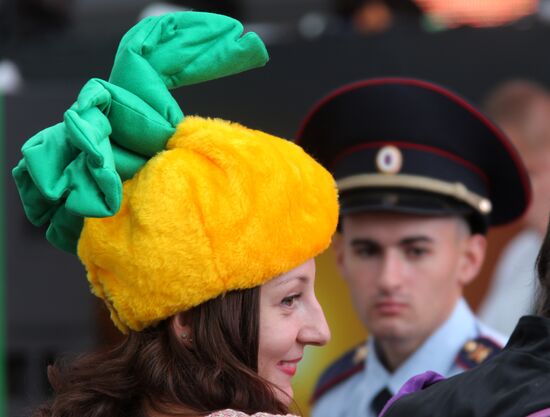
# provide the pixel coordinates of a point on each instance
(289, 367)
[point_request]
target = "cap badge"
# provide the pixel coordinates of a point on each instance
(389, 160)
(485, 206)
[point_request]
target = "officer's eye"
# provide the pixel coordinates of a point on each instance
(415, 252)
(366, 250)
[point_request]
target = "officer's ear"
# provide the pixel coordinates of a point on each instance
(473, 255)
(338, 248)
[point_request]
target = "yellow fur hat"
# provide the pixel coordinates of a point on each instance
(223, 208)
(167, 211)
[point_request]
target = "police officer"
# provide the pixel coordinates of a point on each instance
(422, 175)
(515, 383)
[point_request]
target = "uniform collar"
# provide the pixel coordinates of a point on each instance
(437, 353)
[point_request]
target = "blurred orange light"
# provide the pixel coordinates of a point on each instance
(478, 13)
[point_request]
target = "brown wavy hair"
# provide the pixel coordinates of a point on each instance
(154, 370)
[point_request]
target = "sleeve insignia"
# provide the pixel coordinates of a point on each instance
(476, 351)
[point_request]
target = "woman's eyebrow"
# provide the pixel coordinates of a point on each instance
(302, 278)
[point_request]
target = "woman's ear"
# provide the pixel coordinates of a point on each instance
(181, 327)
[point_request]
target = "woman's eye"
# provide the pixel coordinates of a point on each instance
(289, 301)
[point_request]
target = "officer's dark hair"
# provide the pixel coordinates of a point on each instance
(543, 271)
(471, 222)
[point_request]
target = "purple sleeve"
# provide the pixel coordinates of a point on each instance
(416, 383)
(541, 413)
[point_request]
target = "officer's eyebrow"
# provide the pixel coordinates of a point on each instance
(416, 239)
(409, 240)
(364, 242)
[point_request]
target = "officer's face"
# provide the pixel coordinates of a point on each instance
(290, 319)
(405, 273)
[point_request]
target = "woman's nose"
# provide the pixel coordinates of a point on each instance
(315, 330)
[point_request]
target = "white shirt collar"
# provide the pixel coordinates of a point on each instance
(437, 353)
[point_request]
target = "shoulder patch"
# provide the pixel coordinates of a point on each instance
(476, 351)
(345, 366)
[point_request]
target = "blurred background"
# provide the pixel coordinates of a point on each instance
(49, 48)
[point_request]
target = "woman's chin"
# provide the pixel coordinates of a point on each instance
(285, 395)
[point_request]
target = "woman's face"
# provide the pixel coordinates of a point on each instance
(290, 319)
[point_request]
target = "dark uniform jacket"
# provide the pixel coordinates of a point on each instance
(514, 383)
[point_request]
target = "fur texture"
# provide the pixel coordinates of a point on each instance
(224, 207)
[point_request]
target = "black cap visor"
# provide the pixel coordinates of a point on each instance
(407, 201)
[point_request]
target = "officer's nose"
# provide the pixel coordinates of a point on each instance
(391, 271)
(315, 330)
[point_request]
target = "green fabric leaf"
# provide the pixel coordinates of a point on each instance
(75, 169)
(181, 49)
